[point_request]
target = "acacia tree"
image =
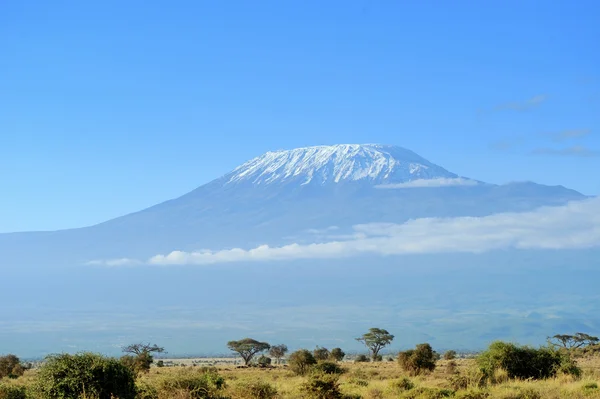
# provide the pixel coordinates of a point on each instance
(140, 356)
(578, 340)
(278, 351)
(375, 340)
(247, 348)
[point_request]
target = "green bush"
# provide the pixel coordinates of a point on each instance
(418, 360)
(196, 383)
(361, 359)
(301, 361)
(11, 367)
(12, 392)
(322, 386)
(401, 385)
(590, 386)
(472, 394)
(255, 390)
(428, 393)
(263, 361)
(525, 362)
(337, 354)
(68, 376)
(321, 353)
(328, 368)
(450, 355)
(526, 393)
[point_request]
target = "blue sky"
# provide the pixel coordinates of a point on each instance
(110, 107)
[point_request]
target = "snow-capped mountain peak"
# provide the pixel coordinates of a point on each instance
(374, 163)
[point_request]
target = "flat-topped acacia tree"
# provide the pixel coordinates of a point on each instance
(375, 340)
(247, 348)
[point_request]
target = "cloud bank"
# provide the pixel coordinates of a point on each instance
(572, 226)
(440, 182)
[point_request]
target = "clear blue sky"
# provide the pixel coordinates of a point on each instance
(107, 107)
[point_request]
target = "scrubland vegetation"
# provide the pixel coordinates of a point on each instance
(559, 369)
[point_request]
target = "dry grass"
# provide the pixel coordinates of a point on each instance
(387, 380)
(373, 381)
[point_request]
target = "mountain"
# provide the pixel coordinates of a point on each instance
(282, 194)
(290, 201)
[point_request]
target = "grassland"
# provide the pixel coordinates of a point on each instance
(384, 380)
(380, 380)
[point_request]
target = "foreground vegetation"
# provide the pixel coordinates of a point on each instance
(504, 371)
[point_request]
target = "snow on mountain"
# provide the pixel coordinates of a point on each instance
(320, 165)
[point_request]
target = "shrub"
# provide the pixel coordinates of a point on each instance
(160, 363)
(417, 360)
(263, 361)
(401, 385)
(527, 393)
(472, 394)
(10, 366)
(458, 382)
(451, 367)
(255, 390)
(198, 383)
(450, 355)
(301, 361)
(337, 354)
(322, 386)
(321, 353)
(361, 359)
(428, 393)
(328, 368)
(590, 386)
(73, 376)
(12, 392)
(525, 362)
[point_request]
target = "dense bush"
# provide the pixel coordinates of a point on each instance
(263, 361)
(12, 392)
(328, 368)
(450, 355)
(301, 361)
(321, 353)
(361, 359)
(254, 390)
(428, 393)
(194, 383)
(418, 360)
(86, 374)
(401, 385)
(337, 354)
(322, 386)
(11, 367)
(525, 362)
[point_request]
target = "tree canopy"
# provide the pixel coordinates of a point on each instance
(578, 340)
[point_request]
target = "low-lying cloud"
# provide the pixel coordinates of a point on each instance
(439, 182)
(572, 226)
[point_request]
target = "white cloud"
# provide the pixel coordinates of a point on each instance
(439, 182)
(572, 226)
